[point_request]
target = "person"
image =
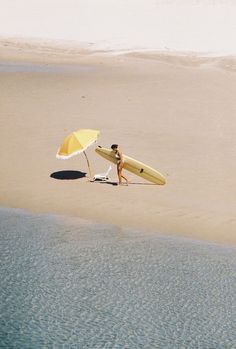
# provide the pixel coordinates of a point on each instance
(120, 163)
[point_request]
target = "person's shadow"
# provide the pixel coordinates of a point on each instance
(68, 174)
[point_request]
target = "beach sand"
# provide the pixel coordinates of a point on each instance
(175, 114)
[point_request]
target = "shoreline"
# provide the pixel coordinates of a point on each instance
(40, 109)
(56, 52)
(67, 220)
(73, 220)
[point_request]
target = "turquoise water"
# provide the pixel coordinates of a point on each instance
(66, 283)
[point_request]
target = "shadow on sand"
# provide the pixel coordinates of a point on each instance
(130, 183)
(69, 175)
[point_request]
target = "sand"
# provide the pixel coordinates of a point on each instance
(175, 114)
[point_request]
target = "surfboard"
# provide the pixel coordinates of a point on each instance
(134, 166)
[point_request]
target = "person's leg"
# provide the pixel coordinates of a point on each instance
(122, 176)
(119, 174)
(127, 181)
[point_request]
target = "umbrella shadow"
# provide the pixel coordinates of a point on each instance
(68, 175)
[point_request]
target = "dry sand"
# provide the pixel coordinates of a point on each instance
(175, 114)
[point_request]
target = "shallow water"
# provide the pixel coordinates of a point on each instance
(24, 67)
(66, 283)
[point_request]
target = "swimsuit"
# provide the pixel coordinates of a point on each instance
(118, 158)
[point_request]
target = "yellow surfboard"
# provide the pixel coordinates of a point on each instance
(134, 166)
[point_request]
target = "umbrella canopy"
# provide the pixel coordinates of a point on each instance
(77, 142)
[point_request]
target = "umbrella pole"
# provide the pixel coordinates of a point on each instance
(90, 175)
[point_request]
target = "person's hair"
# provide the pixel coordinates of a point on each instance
(114, 146)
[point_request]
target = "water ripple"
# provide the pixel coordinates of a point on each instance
(78, 285)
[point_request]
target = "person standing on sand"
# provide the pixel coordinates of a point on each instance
(120, 163)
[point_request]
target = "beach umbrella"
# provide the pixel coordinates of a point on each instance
(76, 143)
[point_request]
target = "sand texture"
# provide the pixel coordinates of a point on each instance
(173, 114)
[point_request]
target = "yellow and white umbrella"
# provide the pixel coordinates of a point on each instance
(77, 142)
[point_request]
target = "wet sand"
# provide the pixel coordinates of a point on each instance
(169, 112)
